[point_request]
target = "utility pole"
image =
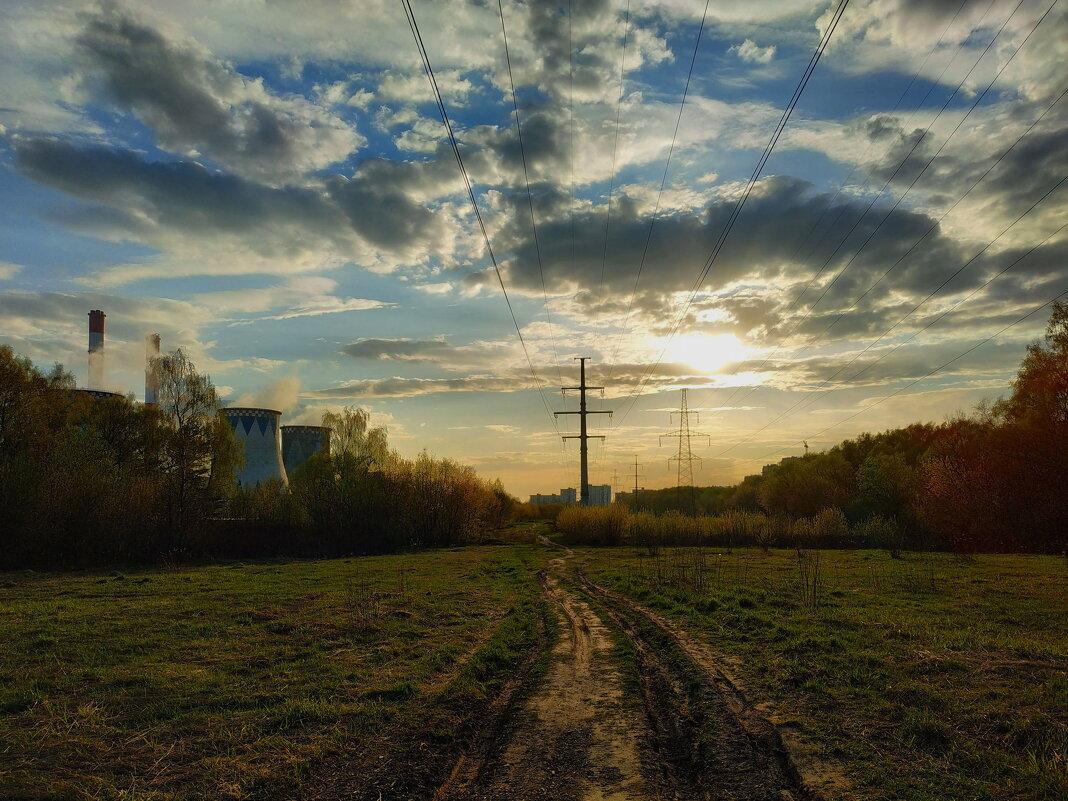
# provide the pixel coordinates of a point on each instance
(636, 475)
(582, 436)
(684, 459)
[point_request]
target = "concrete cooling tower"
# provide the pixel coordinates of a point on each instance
(300, 443)
(258, 431)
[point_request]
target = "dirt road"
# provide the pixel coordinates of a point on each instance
(629, 710)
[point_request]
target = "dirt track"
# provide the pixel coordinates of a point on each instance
(587, 733)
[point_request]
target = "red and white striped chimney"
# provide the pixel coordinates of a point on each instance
(96, 349)
(151, 382)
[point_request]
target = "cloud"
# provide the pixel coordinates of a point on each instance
(299, 297)
(432, 351)
(414, 387)
(750, 51)
(9, 270)
(195, 102)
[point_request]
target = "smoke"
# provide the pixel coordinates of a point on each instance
(283, 395)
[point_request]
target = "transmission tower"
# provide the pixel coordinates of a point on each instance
(684, 459)
(635, 476)
(582, 436)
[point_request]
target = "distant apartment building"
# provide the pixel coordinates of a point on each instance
(600, 495)
(566, 495)
(769, 467)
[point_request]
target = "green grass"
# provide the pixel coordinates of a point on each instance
(926, 678)
(237, 680)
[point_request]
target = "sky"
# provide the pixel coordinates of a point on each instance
(271, 188)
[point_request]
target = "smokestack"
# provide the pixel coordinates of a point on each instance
(96, 349)
(151, 384)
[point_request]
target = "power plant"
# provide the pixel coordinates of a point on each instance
(96, 349)
(258, 431)
(151, 380)
(263, 438)
(300, 443)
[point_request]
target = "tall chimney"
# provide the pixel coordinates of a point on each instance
(96, 349)
(151, 384)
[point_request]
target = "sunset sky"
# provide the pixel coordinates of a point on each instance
(269, 186)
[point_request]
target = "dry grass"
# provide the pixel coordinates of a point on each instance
(226, 681)
(926, 677)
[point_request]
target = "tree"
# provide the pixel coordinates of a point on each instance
(802, 487)
(886, 486)
(199, 454)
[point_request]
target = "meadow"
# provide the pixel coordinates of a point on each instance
(253, 680)
(928, 677)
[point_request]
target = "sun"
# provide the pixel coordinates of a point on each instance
(707, 353)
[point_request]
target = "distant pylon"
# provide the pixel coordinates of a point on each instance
(684, 459)
(636, 476)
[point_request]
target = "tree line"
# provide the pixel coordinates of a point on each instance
(90, 481)
(987, 481)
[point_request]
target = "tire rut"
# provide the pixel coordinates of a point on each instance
(716, 744)
(576, 738)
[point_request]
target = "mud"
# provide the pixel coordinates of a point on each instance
(577, 738)
(672, 726)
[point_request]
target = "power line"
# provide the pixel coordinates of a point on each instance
(808, 399)
(615, 144)
(530, 196)
(660, 192)
(897, 203)
(867, 177)
(429, 70)
(931, 160)
(761, 162)
(571, 122)
(938, 369)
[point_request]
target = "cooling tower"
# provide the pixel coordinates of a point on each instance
(96, 349)
(94, 394)
(258, 431)
(151, 382)
(300, 443)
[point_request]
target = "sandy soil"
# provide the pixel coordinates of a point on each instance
(683, 730)
(578, 737)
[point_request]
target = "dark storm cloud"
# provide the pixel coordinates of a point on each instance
(194, 101)
(383, 215)
(770, 239)
(180, 196)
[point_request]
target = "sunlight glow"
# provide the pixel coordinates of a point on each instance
(707, 353)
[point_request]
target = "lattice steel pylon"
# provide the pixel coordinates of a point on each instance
(684, 459)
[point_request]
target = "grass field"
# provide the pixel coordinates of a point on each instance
(924, 678)
(235, 680)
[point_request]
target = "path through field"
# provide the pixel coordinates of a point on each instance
(661, 723)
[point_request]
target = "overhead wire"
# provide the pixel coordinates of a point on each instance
(615, 144)
(913, 183)
(660, 192)
(530, 195)
(429, 70)
(804, 401)
(815, 276)
(740, 204)
(659, 197)
(924, 377)
(901, 164)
